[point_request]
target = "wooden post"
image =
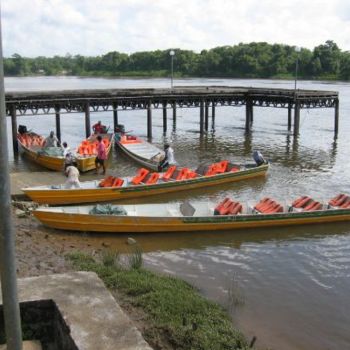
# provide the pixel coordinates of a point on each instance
(248, 111)
(115, 115)
(201, 117)
(289, 116)
(149, 120)
(251, 113)
(14, 129)
(206, 116)
(296, 118)
(87, 120)
(174, 112)
(58, 123)
(212, 114)
(165, 122)
(336, 117)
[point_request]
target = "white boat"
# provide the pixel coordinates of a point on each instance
(143, 152)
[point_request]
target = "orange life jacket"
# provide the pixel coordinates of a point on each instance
(141, 174)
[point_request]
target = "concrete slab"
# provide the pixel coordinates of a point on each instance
(27, 345)
(95, 319)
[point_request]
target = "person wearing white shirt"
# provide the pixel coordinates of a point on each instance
(72, 174)
(169, 158)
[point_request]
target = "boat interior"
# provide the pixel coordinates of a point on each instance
(226, 207)
(145, 177)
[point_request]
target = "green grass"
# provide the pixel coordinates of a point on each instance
(175, 310)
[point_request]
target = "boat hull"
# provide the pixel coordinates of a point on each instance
(75, 196)
(122, 224)
(52, 163)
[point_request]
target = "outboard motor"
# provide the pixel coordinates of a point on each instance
(121, 128)
(258, 157)
(22, 129)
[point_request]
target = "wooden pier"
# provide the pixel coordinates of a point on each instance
(202, 97)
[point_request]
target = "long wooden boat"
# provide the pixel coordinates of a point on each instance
(141, 151)
(86, 152)
(91, 191)
(176, 217)
(31, 145)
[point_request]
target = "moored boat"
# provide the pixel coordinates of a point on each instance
(87, 151)
(146, 183)
(32, 146)
(141, 151)
(201, 216)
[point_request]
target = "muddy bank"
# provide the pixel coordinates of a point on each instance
(41, 251)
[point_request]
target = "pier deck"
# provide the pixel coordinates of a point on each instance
(203, 97)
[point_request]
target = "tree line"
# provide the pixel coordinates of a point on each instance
(252, 60)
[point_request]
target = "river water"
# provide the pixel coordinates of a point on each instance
(290, 286)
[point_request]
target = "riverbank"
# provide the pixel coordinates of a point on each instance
(169, 312)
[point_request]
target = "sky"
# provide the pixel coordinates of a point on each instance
(34, 28)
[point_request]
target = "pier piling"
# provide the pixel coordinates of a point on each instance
(14, 129)
(165, 124)
(201, 117)
(58, 123)
(115, 115)
(149, 120)
(87, 120)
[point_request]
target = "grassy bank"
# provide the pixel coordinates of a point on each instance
(175, 315)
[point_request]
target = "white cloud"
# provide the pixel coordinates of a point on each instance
(93, 27)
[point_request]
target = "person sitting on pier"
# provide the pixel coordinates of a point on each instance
(99, 128)
(169, 158)
(72, 174)
(51, 140)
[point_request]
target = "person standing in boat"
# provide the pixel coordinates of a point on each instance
(258, 157)
(72, 174)
(98, 128)
(169, 158)
(52, 140)
(101, 155)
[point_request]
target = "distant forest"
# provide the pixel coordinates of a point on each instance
(253, 60)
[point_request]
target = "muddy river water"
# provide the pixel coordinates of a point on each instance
(289, 287)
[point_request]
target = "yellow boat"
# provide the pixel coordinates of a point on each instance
(176, 217)
(31, 145)
(85, 157)
(91, 191)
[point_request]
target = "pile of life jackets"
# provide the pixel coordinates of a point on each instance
(87, 148)
(306, 203)
(29, 140)
(268, 206)
(178, 174)
(111, 181)
(144, 176)
(228, 207)
(340, 201)
(126, 139)
(218, 168)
